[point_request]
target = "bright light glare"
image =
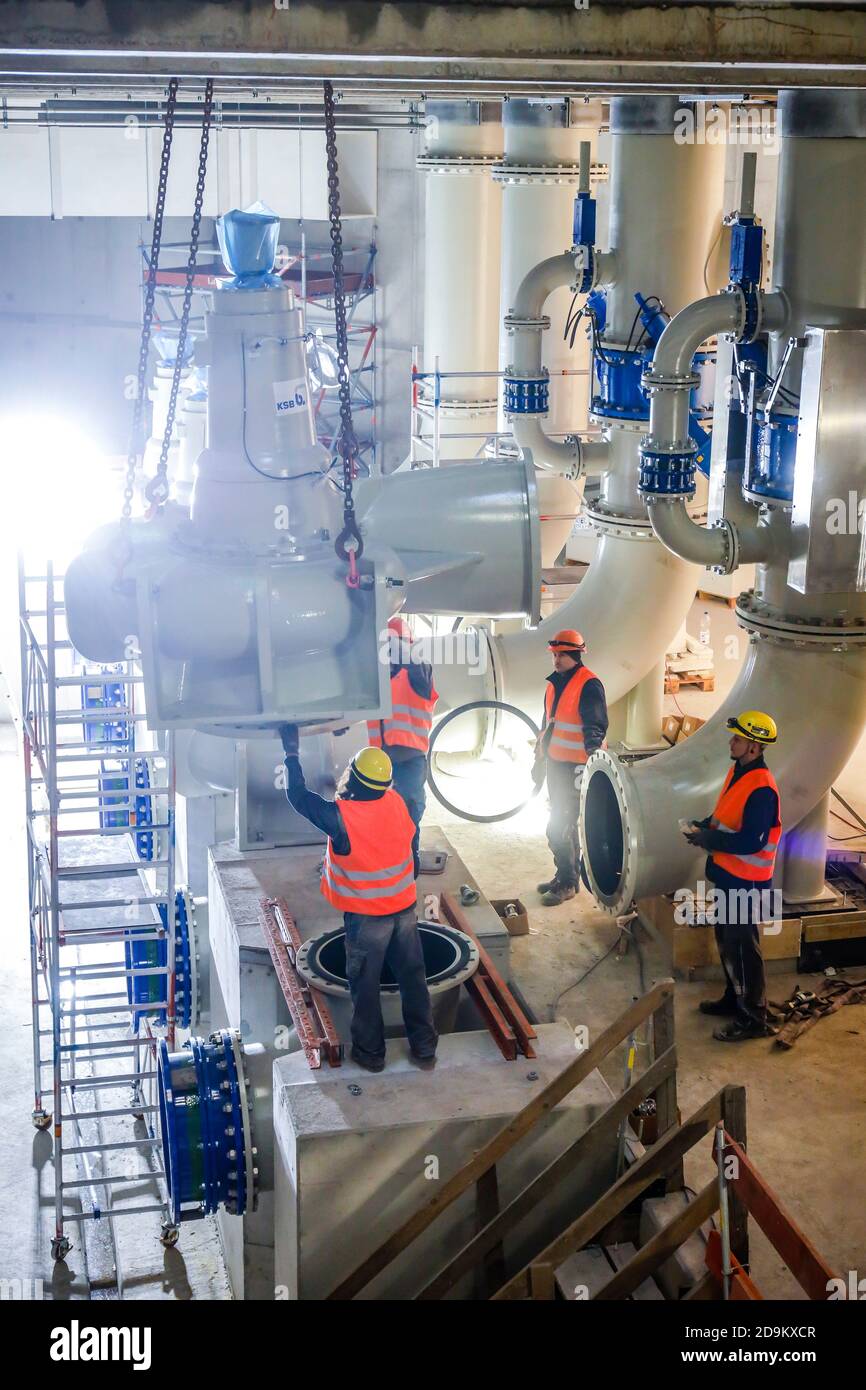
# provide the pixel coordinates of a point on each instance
(59, 486)
(486, 786)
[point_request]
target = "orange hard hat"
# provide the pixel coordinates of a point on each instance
(400, 628)
(567, 640)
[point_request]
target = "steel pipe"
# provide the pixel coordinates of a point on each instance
(630, 838)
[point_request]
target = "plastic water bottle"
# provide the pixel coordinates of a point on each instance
(704, 629)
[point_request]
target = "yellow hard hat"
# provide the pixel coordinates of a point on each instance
(372, 767)
(755, 725)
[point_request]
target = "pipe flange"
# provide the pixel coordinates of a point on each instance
(610, 523)
(504, 172)
(732, 547)
(321, 960)
(515, 324)
(610, 900)
(451, 407)
(456, 163)
(773, 504)
(735, 335)
(768, 625)
(620, 423)
(753, 313)
(656, 382)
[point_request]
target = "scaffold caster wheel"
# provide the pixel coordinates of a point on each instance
(60, 1247)
(169, 1234)
(41, 1119)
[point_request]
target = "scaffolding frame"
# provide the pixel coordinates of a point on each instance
(101, 1039)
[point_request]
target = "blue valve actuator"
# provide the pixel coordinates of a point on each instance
(584, 220)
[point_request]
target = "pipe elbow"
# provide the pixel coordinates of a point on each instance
(704, 318)
(557, 455)
(536, 287)
(684, 538)
(605, 270)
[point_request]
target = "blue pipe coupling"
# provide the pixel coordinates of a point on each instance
(205, 1120)
(527, 395)
(666, 475)
(145, 954)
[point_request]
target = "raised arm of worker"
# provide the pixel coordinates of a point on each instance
(323, 814)
(593, 714)
(760, 814)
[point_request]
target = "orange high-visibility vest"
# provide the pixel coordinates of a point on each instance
(728, 815)
(411, 717)
(377, 876)
(566, 743)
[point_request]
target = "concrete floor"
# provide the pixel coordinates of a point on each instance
(806, 1108)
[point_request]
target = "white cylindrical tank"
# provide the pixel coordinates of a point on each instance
(463, 140)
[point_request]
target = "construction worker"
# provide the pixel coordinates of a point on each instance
(742, 836)
(406, 734)
(369, 873)
(575, 723)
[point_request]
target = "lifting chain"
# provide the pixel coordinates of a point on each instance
(156, 491)
(135, 450)
(348, 545)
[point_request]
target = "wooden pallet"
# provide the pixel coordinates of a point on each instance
(700, 679)
(716, 598)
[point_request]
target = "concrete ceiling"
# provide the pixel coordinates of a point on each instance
(372, 48)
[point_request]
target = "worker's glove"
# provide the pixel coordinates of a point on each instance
(696, 837)
(289, 736)
(539, 772)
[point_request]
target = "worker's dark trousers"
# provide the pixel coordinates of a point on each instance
(563, 788)
(739, 941)
(410, 780)
(371, 943)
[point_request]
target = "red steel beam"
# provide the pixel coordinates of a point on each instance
(493, 1016)
(523, 1029)
(310, 1013)
(811, 1271)
(743, 1290)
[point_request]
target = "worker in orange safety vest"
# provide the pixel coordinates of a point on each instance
(575, 723)
(742, 837)
(405, 735)
(369, 874)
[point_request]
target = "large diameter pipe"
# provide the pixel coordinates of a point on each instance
(665, 204)
(642, 592)
(461, 272)
(630, 838)
(819, 251)
(539, 178)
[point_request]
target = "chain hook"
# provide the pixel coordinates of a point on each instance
(347, 445)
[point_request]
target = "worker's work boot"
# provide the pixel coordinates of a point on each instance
(426, 1062)
(559, 894)
(740, 1030)
(550, 886)
(368, 1063)
(720, 1008)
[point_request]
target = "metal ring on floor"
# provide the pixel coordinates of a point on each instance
(440, 797)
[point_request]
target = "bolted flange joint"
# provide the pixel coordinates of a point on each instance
(528, 394)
